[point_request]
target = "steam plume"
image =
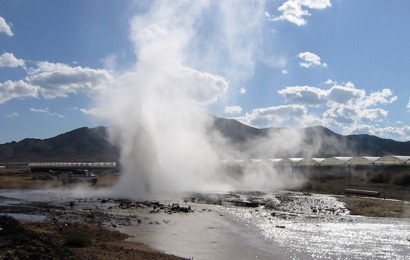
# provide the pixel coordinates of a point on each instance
(188, 54)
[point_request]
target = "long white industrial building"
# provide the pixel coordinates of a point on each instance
(71, 165)
(331, 161)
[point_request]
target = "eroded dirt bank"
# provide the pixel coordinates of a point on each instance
(47, 240)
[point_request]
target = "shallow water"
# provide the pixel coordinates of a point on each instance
(26, 217)
(319, 227)
(203, 234)
(247, 225)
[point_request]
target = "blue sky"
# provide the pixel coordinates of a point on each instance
(295, 63)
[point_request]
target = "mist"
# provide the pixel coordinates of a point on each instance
(190, 55)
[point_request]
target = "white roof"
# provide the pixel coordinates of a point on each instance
(339, 160)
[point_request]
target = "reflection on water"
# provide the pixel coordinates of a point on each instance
(244, 225)
(310, 234)
(26, 217)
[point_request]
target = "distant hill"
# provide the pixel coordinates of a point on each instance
(91, 144)
(82, 144)
(319, 141)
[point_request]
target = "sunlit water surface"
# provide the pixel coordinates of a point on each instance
(274, 225)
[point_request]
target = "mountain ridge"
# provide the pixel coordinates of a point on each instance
(91, 144)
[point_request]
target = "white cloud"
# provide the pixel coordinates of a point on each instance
(362, 107)
(242, 91)
(9, 60)
(45, 111)
(293, 10)
(408, 105)
(39, 110)
(59, 80)
(373, 114)
(345, 94)
(340, 116)
(285, 116)
(396, 133)
(284, 71)
(4, 27)
(379, 97)
(343, 107)
(350, 108)
(51, 80)
(16, 89)
(304, 95)
(95, 112)
(310, 59)
(233, 110)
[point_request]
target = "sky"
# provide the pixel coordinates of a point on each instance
(289, 63)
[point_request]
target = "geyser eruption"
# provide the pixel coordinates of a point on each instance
(187, 52)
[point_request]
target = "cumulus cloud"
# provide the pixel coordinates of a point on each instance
(309, 59)
(233, 110)
(9, 60)
(59, 80)
(345, 94)
(286, 115)
(51, 80)
(348, 108)
(393, 132)
(347, 104)
(342, 106)
(294, 11)
(379, 97)
(16, 89)
(339, 94)
(242, 91)
(4, 27)
(304, 95)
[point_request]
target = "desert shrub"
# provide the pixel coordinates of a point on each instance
(402, 179)
(80, 239)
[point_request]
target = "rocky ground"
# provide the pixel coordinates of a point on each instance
(45, 240)
(83, 236)
(80, 236)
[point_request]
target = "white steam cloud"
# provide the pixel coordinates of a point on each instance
(188, 54)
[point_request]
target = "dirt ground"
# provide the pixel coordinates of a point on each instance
(393, 200)
(45, 240)
(31, 240)
(48, 240)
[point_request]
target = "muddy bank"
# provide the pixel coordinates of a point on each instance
(54, 239)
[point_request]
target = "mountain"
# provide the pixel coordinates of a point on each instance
(318, 141)
(91, 144)
(82, 144)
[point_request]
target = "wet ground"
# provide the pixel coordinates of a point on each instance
(235, 225)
